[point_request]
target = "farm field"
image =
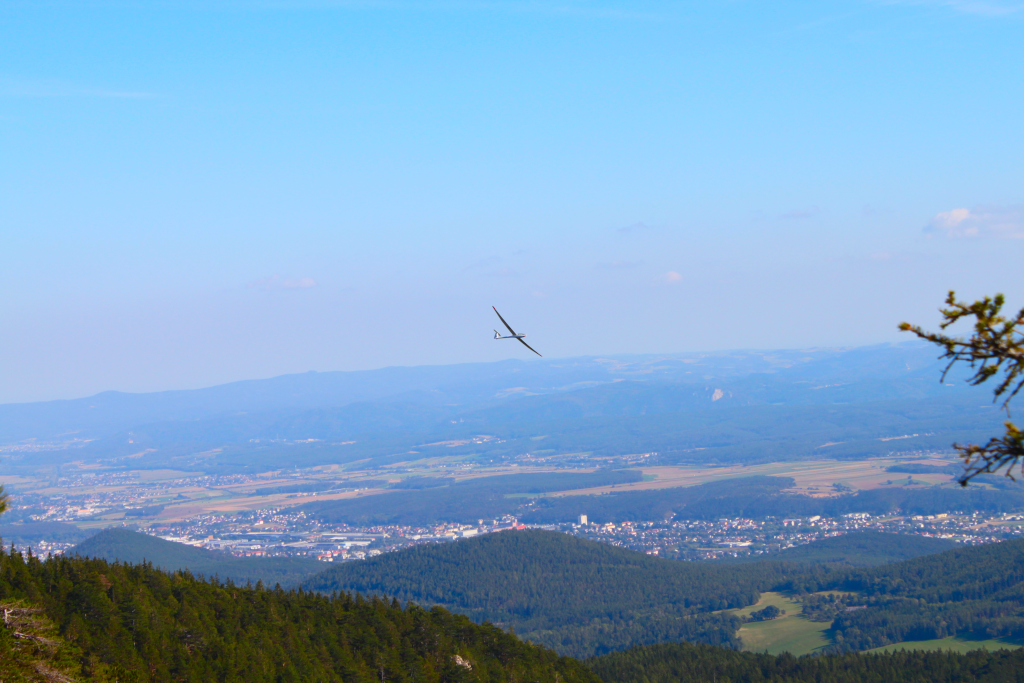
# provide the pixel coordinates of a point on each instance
(813, 477)
(788, 633)
(183, 494)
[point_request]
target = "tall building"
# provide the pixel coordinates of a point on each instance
(583, 519)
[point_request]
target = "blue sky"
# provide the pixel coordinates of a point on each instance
(198, 192)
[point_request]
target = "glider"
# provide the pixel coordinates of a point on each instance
(513, 335)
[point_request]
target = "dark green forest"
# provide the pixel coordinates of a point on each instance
(576, 596)
(136, 623)
(862, 548)
(584, 598)
(388, 618)
(976, 591)
(683, 663)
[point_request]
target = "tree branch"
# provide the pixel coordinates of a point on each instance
(997, 346)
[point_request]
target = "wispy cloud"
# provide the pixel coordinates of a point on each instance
(982, 221)
(279, 282)
(670, 278)
(801, 214)
(483, 264)
(501, 272)
(617, 265)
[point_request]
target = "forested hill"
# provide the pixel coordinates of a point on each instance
(865, 548)
(977, 591)
(683, 663)
(576, 596)
(135, 548)
(134, 623)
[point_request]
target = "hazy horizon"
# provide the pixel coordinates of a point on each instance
(199, 193)
(665, 354)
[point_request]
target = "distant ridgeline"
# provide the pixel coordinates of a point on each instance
(579, 597)
(739, 407)
(440, 500)
(72, 618)
(862, 548)
(31, 533)
(132, 547)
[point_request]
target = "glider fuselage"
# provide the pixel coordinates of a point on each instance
(514, 334)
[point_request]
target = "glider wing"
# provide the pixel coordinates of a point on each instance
(506, 324)
(525, 344)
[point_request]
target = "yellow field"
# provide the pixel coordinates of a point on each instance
(813, 477)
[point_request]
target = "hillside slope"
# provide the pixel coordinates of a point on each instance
(576, 596)
(136, 623)
(31, 648)
(976, 591)
(123, 545)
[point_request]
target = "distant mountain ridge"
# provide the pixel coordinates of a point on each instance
(113, 410)
(739, 407)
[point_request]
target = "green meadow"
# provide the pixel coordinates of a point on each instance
(788, 633)
(951, 644)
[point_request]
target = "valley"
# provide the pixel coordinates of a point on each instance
(554, 521)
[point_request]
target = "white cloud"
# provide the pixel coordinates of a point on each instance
(278, 282)
(981, 221)
(671, 278)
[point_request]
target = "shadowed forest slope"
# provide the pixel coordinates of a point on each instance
(576, 596)
(685, 663)
(135, 623)
(135, 548)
